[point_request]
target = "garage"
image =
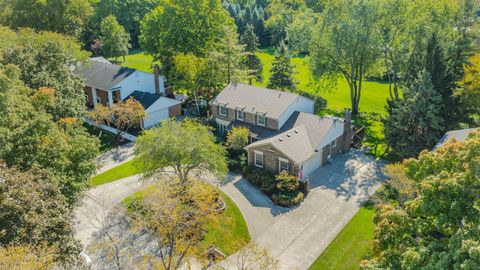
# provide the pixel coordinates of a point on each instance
(312, 164)
(155, 117)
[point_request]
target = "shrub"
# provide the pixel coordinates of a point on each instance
(288, 199)
(260, 178)
(237, 138)
(286, 182)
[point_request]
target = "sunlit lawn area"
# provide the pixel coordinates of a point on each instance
(137, 60)
(351, 245)
(229, 233)
(126, 169)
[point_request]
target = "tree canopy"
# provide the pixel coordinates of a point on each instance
(115, 40)
(186, 147)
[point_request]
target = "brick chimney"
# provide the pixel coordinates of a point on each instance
(347, 130)
(156, 75)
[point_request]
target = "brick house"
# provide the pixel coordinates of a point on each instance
(284, 132)
(107, 84)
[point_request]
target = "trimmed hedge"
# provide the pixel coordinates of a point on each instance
(283, 189)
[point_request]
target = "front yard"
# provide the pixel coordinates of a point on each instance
(229, 233)
(124, 170)
(351, 245)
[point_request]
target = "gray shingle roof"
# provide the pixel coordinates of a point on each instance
(459, 135)
(300, 135)
(146, 99)
(102, 75)
(255, 99)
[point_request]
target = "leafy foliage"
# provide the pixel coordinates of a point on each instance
(237, 138)
(438, 228)
(39, 257)
(187, 147)
(34, 212)
(252, 62)
(114, 38)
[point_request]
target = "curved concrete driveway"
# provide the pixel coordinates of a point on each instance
(297, 236)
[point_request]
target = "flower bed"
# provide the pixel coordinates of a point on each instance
(283, 189)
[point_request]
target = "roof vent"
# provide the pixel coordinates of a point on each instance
(288, 135)
(281, 139)
(296, 130)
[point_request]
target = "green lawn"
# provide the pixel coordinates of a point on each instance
(229, 234)
(126, 169)
(137, 60)
(351, 245)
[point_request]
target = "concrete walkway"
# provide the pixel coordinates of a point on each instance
(115, 157)
(297, 236)
(99, 202)
(125, 135)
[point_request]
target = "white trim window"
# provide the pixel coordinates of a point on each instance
(222, 110)
(261, 120)
(333, 143)
(282, 165)
(240, 115)
(258, 159)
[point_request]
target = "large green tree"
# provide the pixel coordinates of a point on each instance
(35, 212)
(439, 227)
(32, 137)
(414, 123)
(63, 16)
(344, 44)
(183, 26)
(49, 65)
(282, 70)
(114, 38)
(185, 148)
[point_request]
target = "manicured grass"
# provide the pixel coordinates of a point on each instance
(229, 233)
(137, 60)
(126, 169)
(374, 94)
(351, 245)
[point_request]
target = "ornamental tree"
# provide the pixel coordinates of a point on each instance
(182, 147)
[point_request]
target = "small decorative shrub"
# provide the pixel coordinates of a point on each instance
(286, 182)
(288, 199)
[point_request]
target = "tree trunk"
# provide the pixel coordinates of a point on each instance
(228, 72)
(195, 93)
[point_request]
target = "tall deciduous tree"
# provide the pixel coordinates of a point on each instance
(63, 16)
(183, 26)
(414, 123)
(186, 147)
(30, 137)
(438, 228)
(253, 63)
(115, 40)
(344, 44)
(281, 74)
(34, 212)
(189, 70)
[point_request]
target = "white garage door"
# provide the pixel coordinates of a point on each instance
(312, 164)
(155, 117)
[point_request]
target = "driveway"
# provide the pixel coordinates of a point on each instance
(99, 202)
(297, 236)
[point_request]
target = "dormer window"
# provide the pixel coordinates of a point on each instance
(261, 120)
(240, 115)
(222, 110)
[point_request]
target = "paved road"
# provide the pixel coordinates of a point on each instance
(296, 237)
(98, 202)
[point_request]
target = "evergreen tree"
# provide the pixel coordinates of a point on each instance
(281, 74)
(415, 123)
(253, 63)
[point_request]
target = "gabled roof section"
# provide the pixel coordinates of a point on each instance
(301, 135)
(459, 135)
(255, 99)
(101, 74)
(146, 99)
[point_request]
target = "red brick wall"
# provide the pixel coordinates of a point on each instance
(175, 110)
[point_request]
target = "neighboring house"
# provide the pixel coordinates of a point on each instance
(107, 84)
(459, 135)
(284, 132)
